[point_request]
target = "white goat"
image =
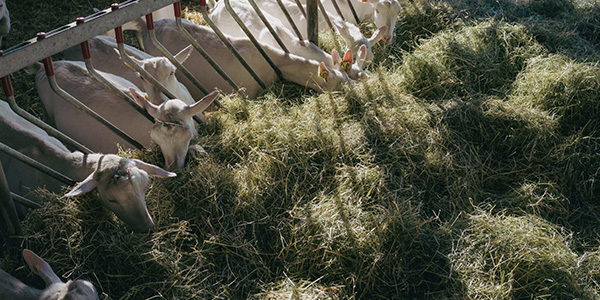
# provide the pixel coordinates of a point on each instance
(121, 182)
(349, 31)
(222, 18)
(383, 12)
(4, 20)
(106, 58)
(294, 68)
(14, 289)
(74, 79)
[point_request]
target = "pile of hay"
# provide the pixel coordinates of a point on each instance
(504, 257)
(465, 167)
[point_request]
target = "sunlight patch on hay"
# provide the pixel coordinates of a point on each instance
(505, 257)
(562, 87)
(483, 58)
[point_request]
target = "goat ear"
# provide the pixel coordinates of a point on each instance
(143, 102)
(378, 35)
(323, 72)
(40, 267)
(83, 187)
(183, 54)
(347, 62)
(343, 31)
(201, 104)
(153, 170)
(361, 56)
(335, 58)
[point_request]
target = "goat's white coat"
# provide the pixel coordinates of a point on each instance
(226, 23)
(4, 20)
(13, 289)
(294, 68)
(349, 31)
(382, 12)
(74, 79)
(106, 58)
(121, 182)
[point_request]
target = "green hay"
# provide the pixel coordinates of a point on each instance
(504, 257)
(564, 88)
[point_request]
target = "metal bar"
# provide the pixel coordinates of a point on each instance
(24, 201)
(290, 20)
(337, 9)
(168, 55)
(9, 92)
(229, 45)
(28, 52)
(106, 83)
(35, 164)
(10, 224)
(130, 62)
(261, 16)
(202, 52)
(253, 40)
(73, 101)
(353, 12)
(301, 8)
(325, 16)
(328, 21)
(87, 58)
(312, 21)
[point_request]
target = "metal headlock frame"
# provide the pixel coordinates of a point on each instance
(65, 139)
(46, 44)
(168, 55)
(41, 48)
(49, 68)
(87, 58)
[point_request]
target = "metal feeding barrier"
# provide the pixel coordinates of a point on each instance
(83, 29)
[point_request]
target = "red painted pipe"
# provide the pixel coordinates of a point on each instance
(177, 9)
(149, 21)
(119, 35)
(7, 87)
(48, 66)
(85, 46)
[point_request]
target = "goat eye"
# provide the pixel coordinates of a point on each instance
(112, 201)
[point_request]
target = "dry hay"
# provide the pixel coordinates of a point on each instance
(564, 88)
(452, 172)
(504, 257)
(479, 59)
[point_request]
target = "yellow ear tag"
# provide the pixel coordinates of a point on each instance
(345, 65)
(324, 74)
(36, 269)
